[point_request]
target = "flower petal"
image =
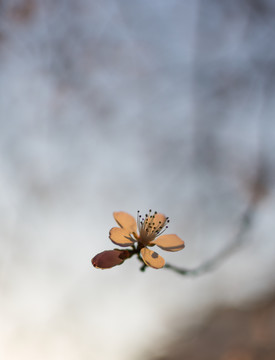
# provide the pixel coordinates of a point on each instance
(109, 258)
(126, 221)
(121, 237)
(151, 258)
(159, 219)
(169, 242)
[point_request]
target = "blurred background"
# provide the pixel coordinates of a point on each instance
(131, 105)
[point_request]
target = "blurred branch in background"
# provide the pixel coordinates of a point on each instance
(258, 191)
(245, 224)
(228, 81)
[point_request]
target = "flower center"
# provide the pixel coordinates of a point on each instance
(151, 226)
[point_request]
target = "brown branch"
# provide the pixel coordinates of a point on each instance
(259, 189)
(245, 224)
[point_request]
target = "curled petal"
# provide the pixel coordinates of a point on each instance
(151, 258)
(121, 237)
(126, 221)
(110, 258)
(169, 242)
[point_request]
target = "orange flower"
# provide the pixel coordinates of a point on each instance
(141, 234)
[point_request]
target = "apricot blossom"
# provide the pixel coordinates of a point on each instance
(142, 234)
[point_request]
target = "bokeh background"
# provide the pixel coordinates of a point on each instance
(126, 105)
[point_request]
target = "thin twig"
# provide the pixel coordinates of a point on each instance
(259, 190)
(210, 264)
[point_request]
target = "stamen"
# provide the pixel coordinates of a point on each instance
(162, 231)
(138, 222)
(148, 227)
